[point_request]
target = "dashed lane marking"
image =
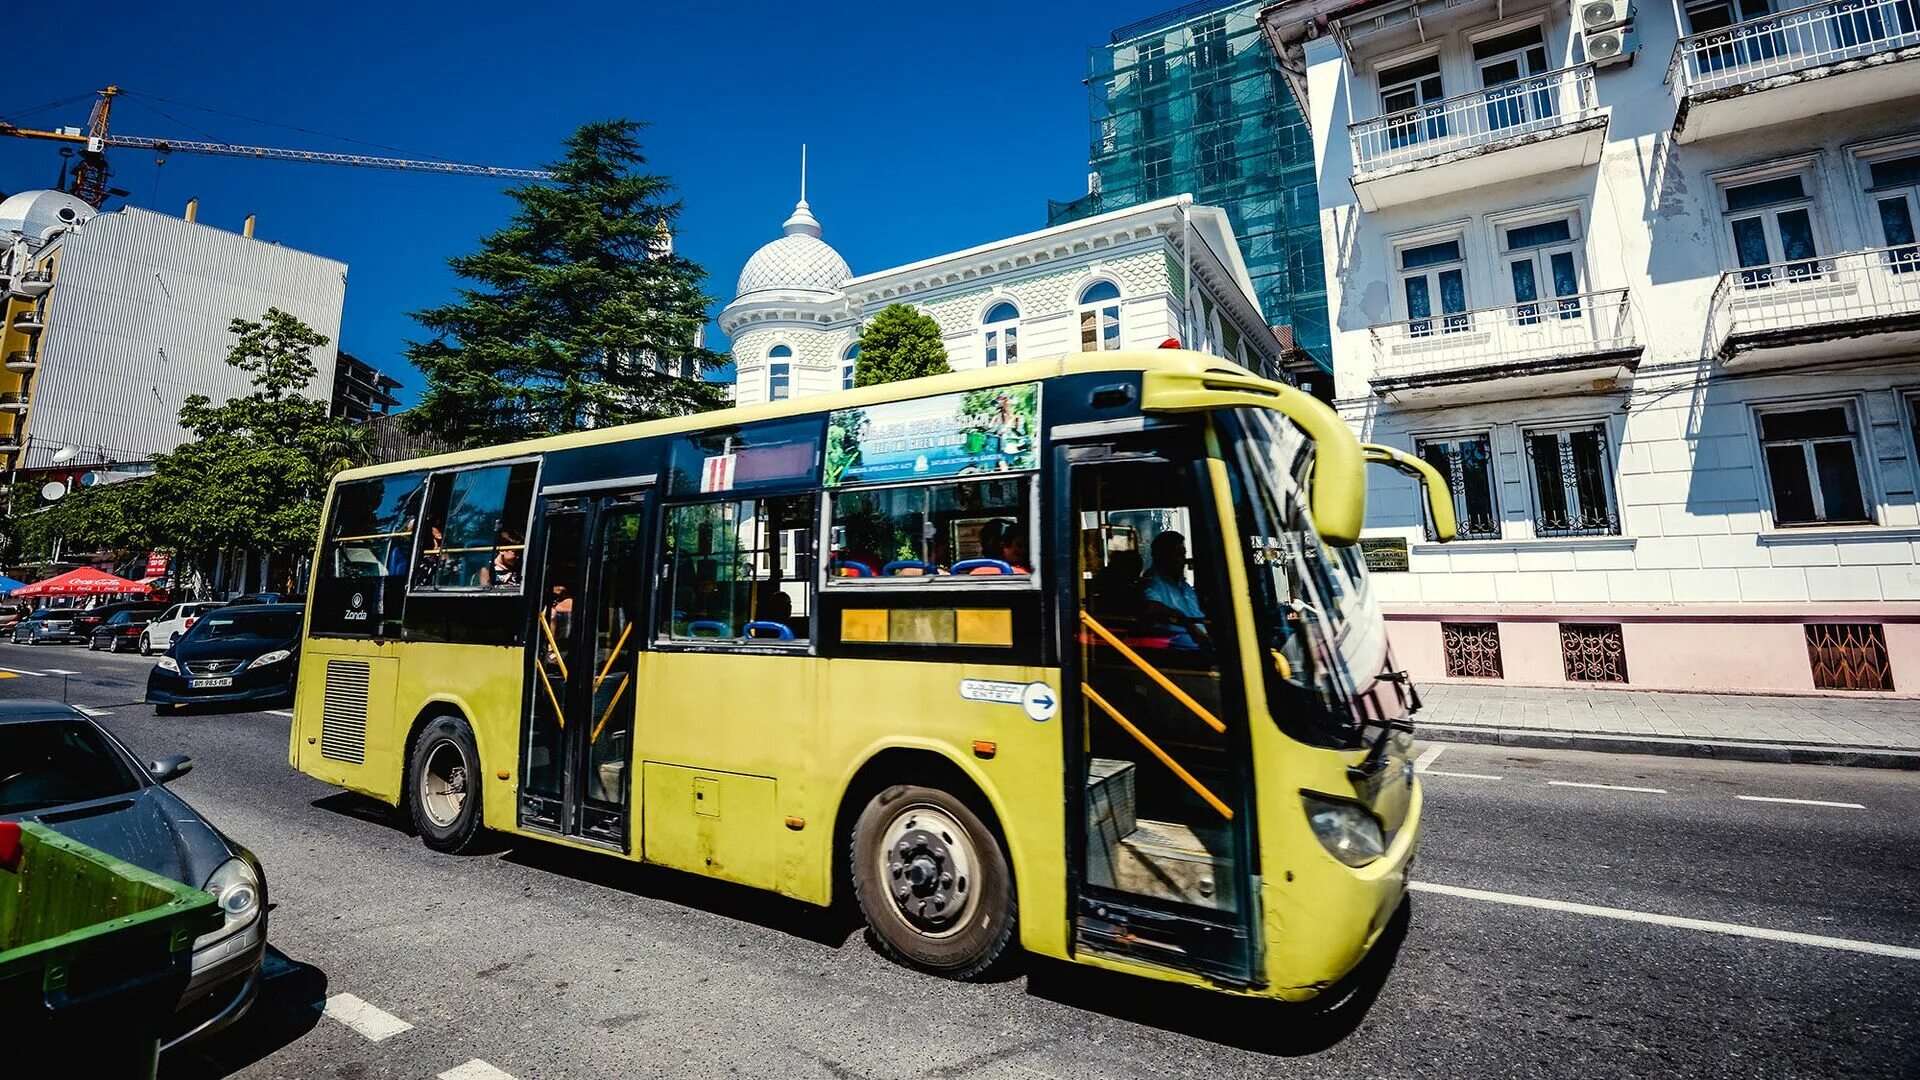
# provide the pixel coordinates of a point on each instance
(374, 1023)
(18, 671)
(1608, 787)
(1801, 802)
(1898, 952)
(475, 1070)
(60, 671)
(280, 712)
(1420, 763)
(1463, 775)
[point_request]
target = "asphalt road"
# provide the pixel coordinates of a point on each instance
(1550, 938)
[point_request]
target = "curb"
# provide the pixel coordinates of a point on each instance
(1869, 757)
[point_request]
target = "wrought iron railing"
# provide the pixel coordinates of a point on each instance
(1531, 106)
(22, 360)
(1592, 521)
(1792, 41)
(1548, 329)
(1829, 290)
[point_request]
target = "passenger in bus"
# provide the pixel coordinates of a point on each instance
(430, 556)
(1170, 598)
(558, 616)
(504, 571)
(1003, 541)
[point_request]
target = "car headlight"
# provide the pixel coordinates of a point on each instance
(168, 663)
(1347, 830)
(236, 889)
(273, 657)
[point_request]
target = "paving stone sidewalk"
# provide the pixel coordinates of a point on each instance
(1648, 720)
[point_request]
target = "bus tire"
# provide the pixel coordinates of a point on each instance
(443, 785)
(933, 882)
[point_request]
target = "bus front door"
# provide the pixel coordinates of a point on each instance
(576, 753)
(1160, 796)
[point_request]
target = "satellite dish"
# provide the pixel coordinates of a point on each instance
(65, 454)
(53, 491)
(89, 479)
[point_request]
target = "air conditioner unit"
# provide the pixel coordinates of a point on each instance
(1608, 47)
(1594, 15)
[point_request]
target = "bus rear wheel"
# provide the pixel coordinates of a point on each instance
(443, 785)
(933, 882)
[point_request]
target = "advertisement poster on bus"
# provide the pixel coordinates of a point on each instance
(977, 431)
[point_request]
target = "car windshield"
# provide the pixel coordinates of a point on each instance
(55, 762)
(232, 625)
(123, 617)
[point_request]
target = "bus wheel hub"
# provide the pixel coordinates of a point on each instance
(928, 870)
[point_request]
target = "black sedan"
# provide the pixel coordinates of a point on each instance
(232, 655)
(47, 626)
(86, 621)
(122, 629)
(59, 768)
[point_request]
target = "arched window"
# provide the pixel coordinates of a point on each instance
(849, 365)
(779, 373)
(1100, 317)
(1002, 330)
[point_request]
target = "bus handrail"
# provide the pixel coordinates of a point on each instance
(1153, 673)
(1153, 748)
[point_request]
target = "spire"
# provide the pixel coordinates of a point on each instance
(802, 223)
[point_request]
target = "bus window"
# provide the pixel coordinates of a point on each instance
(369, 538)
(475, 531)
(739, 571)
(964, 528)
(782, 453)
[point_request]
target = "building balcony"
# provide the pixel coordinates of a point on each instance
(30, 321)
(1813, 60)
(15, 402)
(1537, 125)
(1854, 306)
(21, 362)
(1562, 345)
(32, 283)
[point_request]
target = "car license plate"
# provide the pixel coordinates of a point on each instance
(209, 684)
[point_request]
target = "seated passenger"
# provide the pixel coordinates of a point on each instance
(504, 571)
(1169, 598)
(1003, 541)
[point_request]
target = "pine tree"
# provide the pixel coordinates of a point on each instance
(576, 311)
(900, 343)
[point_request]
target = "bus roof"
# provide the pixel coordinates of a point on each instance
(1175, 361)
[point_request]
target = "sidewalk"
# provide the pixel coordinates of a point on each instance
(1872, 731)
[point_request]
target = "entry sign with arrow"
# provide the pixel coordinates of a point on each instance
(1036, 698)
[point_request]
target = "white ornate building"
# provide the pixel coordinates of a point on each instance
(1125, 280)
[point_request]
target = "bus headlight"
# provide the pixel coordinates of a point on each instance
(1347, 830)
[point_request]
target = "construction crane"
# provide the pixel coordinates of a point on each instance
(90, 173)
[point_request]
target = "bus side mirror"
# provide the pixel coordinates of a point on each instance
(1439, 496)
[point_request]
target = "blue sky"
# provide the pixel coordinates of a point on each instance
(926, 133)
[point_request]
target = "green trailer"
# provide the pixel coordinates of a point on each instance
(94, 952)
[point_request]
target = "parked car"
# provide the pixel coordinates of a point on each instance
(233, 654)
(10, 618)
(122, 630)
(69, 774)
(167, 627)
(269, 598)
(86, 621)
(47, 626)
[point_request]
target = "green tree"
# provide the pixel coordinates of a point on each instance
(575, 312)
(900, 343)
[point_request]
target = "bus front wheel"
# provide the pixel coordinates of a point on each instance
(444, 785)
(933, 882)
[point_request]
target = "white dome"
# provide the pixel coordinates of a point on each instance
(797, 262)
(37, 213)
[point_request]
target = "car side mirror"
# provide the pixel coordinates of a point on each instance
(1434, 486)
(168, 769)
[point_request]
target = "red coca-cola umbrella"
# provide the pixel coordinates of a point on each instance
(82, 582)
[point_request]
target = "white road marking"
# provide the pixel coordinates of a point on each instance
(280, 712)
(18, 671)
(1608, 787)
(1802, 802)
(91, 711)
(1898, 952)
(1420, 763)
(369, 1021)
(60, 671)
(475, 1070)
(1463, 775)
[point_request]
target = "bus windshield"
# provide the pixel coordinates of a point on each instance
(1323, 637)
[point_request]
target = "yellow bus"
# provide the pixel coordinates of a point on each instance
(1073, 656)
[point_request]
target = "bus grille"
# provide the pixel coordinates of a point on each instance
(343, 714)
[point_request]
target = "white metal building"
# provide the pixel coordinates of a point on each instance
(1116, 281)
(1648, 298)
